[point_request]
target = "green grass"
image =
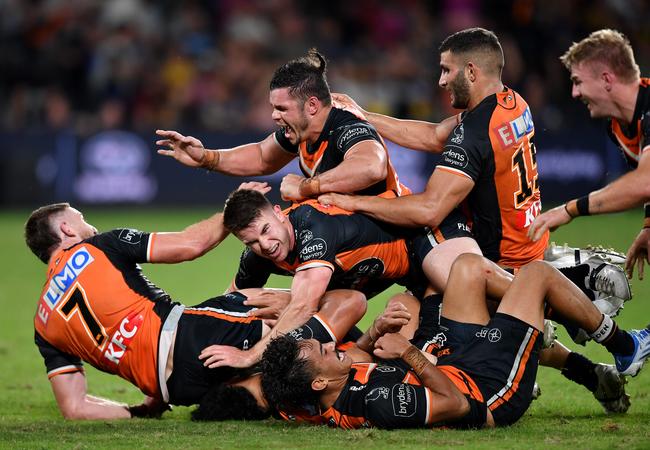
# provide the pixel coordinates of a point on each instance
(565, 416)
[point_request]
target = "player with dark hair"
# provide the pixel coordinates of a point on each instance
(486, 382)
(607, 79)
(97, 306)
(327, 248)
(338, 152)
(489, 164)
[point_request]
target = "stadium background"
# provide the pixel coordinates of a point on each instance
(84, 84)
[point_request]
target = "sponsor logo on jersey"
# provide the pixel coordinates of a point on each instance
(455, 156)
(305, 236)
(513, 131)
(314, 249)
(405, 401)
(377, 393)
(130, 236)
(459, 134)
(300, 333)
(358, 388)
(385, 369)
(351, 135)
(122, 337)
(526, 217)
(62, 281)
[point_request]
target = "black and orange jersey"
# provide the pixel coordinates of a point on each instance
(363, 254)
(389, 396)
(98, 307)
(634, 139)
(342, 131)
(493, 146)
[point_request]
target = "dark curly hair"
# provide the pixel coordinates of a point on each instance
(242, 207)
(226, 402)
(286, 377)
(305, 77)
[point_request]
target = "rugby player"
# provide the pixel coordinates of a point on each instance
(97, 306)
(488, 163)
(606, 78)
(338, 151)
(328, 248)
(486, 382)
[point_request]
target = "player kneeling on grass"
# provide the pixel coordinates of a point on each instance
(486, 381)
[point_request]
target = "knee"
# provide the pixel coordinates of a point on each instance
(357, 304)
(470, 265)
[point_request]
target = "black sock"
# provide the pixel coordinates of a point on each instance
(619, 342)
(577, 276)
(580, 370)
(430, 308)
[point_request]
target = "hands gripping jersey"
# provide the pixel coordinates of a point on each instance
(493, 146)
(634, 139)
(342, 131)
(98, 307)
(362, 254)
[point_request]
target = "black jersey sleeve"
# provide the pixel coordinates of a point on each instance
(466, 149)
(285, 143)
(347, 136)
(253, 270)
(56, 361)
(126, 244)
(644, 141)
(391, 404)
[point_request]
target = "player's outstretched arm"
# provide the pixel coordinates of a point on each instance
(443, 193)
(307, 289)
(257, 158)
(627, 192)
(192, 242)
(414, 134)
(363, 165)
(74, 402)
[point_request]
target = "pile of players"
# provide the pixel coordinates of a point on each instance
(459, 348)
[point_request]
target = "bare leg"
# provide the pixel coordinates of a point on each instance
(438, 262)
(341, 309)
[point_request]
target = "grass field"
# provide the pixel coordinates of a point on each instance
(566, 416)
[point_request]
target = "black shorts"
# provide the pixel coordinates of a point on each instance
(420, 243)
(221, 320)
(502, 359)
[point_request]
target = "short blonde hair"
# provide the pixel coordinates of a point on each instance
(608, 47)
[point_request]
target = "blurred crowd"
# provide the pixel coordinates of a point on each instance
(87, 65)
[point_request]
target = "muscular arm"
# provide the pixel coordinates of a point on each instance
(192, 242)
(74, 403)
(414, 134)
(363, 165)
(444, 191)
(257, 158)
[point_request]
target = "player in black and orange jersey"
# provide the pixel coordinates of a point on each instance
(607, 79)
(487, 382)
(338, 152)
(327, 248)
(488, 164)
(97, 306)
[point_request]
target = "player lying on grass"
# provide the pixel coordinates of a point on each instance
(97, 306)
(485, 381)
(328, 248)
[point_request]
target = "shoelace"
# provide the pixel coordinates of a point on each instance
(600, 282)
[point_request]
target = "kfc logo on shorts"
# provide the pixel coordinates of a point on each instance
(404, 400)
(455, 156)
(377, 393)
(351, 136)
(314, 249)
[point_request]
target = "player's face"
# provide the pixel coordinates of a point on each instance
(453, 80)
(326, 360)
(289, 114)
(270, 235)
(75, 220)
(590, 88)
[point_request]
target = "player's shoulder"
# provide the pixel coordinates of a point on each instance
(346, 129)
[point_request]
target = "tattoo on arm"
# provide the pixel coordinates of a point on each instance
(414, 358)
